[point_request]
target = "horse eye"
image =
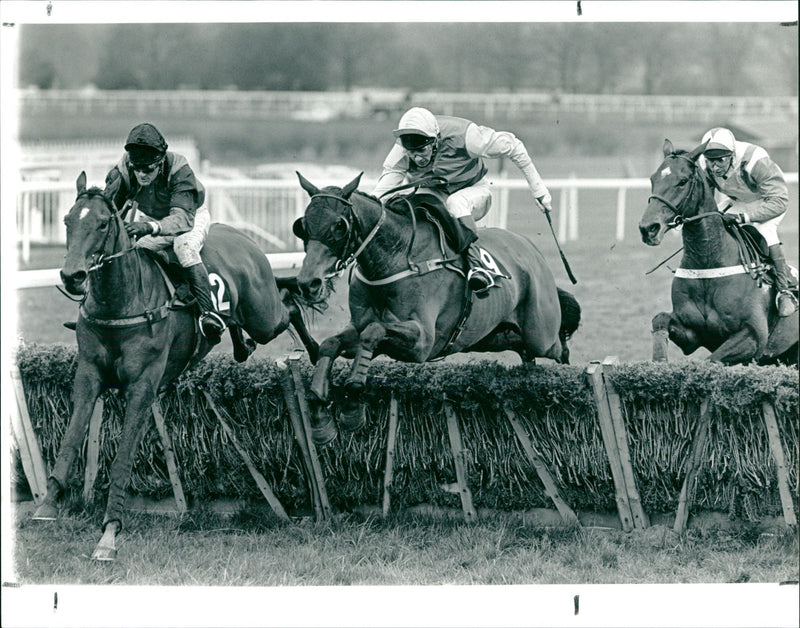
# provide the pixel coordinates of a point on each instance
(103, 225)
(340, 228)
(683, 181)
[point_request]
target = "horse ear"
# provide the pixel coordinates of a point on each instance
(81, 182)
(351, 187)
(299, 229)
(698, 151)
(668, 148)
(307, 185)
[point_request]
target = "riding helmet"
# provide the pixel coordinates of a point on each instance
(145, 144)
(417, 121)
(721, 142)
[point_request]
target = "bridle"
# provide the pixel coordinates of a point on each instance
(101, 259)
(351, 249)
(678, 218)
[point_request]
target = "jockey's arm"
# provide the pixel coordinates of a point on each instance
(772, 188)
(481, 141)
(394, 171)
(179, 221)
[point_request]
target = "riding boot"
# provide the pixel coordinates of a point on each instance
(785, 300)
(479, 279)
(212, 324)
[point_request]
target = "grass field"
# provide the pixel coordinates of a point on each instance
(253, 548)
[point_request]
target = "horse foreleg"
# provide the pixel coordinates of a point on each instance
(139, 398)
(86, 389)
(666, 326)
(741, 347)
(323, 427)
(353, 415)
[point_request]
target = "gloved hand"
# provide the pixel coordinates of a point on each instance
(545, 202)
(138, 229)
(730, 218)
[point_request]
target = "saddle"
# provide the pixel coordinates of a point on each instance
(453, 236)
(181, 297)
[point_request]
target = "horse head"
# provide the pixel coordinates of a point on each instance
(90, 223)
(329, 231)
(677, 189)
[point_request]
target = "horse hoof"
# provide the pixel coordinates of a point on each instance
(104, 554)
(352, 418)
(325, 429)
(45, 512)
(240, 354)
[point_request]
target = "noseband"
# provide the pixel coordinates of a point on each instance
(350, 252)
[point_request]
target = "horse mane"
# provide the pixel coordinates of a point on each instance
(368, 196)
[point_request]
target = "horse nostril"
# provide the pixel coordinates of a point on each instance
(74, 278)
(314, 286)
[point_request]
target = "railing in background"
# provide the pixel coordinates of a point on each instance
(266, 209)
(361, 102)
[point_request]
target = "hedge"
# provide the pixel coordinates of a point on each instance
(660, 406)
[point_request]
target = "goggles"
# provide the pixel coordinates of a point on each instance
(148, 169)
(415, 143)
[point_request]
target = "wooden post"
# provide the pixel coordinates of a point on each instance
(391, 441)
(457, 445)
(261, 482)
(692, 466)
(92, 451)
(594, 376)
(305, 416)
(640, 519)
(780, 463)
(172, 468)
(29, 451)
(550, 487)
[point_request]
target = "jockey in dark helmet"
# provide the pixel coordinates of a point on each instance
(168, 210)
(743, 174)
(453, 149)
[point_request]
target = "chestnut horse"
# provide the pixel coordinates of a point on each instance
(131, 337)
(408, 296)
(719, 301)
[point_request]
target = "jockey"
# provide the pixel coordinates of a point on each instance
(453, 149)
(746, 178)
(162, 187)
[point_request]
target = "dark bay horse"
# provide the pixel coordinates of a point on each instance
(130, 337)
(408, 298)
(716, 303)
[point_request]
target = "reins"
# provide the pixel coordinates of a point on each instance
(101, 259)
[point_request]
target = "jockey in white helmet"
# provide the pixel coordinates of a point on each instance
(453, 149)
(745, 177)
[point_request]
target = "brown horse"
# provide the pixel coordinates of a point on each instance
(719, 302)
(408, 297)
(131, 337)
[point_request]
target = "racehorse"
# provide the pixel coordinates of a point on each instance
(408, 300)
(720, 300)
(131, 337)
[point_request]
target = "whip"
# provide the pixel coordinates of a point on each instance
(558, 246)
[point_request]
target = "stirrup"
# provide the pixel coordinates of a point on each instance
(781, 298)
(217, 325)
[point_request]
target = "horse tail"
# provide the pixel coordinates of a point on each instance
(570, 314)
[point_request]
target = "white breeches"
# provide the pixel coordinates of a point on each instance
(475, 200)
(187, 246)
